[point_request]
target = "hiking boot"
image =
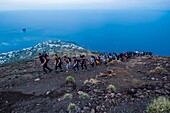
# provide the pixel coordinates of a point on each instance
(50, 71)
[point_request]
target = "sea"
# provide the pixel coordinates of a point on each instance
(97, 30)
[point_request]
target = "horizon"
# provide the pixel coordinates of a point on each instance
(83, 4)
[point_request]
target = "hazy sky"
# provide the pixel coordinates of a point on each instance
(84, 4)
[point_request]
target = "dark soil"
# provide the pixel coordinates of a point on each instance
(24, 87)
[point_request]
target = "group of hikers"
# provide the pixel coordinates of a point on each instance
(82, 60)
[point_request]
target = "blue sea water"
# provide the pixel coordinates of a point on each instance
(99, 30)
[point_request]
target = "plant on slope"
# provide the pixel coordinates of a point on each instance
(84, 96)
(71, 106)
(159, 105)
(111, 88)
(70, 79)
(67, 96)
(158, 70)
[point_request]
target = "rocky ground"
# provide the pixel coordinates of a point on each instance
(24, 88)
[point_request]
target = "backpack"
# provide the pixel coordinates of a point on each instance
(78, 60)
(46, 57)
(69, 59)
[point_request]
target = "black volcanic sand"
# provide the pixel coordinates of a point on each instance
(21, 91)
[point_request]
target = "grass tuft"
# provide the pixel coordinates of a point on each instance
(159, 105)
(158, 70)
(67, 96)
(71, 106)
(84, 96)
(111, 88)
(70, 79)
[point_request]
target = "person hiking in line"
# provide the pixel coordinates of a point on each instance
(83, 62)
(121, 56)
(114, 56)
(105, 57)
(101, 59)
(128, 55)
(66, 61)
(58, 63)
(110, 57)
(97, 59)
(75, 64)
(92, 60)
(117, 56)
(124, 56)
(70, 60)
(150, 53)
(44, 60)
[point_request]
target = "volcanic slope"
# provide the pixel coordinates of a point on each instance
(118, 87)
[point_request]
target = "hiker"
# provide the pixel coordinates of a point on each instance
(92, 60)
(70, 60)
(66, 61)
(150, 53)
(83, 62)
(97, 59)
(114, 56)
(128, 55)
(110, 57)
(144, 53)
(124, 56)
(58, 63)
(117, 56)
(132, 54)
(137, 53)
(105, 59)
(44, 60)
(121, 56)
(101, 59)
(76, 64)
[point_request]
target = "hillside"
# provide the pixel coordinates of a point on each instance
(119, 87)
(50, 47)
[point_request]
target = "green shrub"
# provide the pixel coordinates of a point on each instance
(70, 79)
(111, 88)
(84, 96)
(158, 70)
(71, 106)
(159, 105)
(67, 95)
